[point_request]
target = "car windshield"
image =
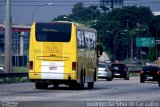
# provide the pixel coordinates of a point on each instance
(150, 68)
(102, 65)
(120, 66)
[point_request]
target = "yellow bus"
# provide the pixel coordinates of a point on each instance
(62, 52)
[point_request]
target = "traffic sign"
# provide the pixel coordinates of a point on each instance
(145, 42)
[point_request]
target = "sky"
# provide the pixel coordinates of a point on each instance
(23, 11)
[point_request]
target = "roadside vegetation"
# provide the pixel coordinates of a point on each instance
(117, 28)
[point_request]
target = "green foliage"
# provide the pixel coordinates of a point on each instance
(21, 69)
(115, 28)
(151, 54)
(112, 25)
(78, 11)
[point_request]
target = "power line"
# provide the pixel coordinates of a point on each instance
(53, 1)
(71, 4)
(47, 6)
(66, 1)
(58, 0)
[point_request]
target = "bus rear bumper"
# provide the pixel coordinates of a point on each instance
(52, 76)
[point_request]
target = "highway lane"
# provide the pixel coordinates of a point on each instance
(116, 90)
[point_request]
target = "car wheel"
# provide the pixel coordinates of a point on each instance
(109, 79)
(159, 83)
(142, 80)
(126, 78)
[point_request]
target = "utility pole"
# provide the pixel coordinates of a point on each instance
(8, 37)
(112, 4)
(131, 48)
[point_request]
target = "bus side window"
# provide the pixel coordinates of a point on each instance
(94, 40)
(79, 39)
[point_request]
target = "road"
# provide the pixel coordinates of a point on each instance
(119, 91)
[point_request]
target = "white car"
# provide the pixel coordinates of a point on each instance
(104, 72)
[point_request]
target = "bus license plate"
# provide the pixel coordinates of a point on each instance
(53, 68)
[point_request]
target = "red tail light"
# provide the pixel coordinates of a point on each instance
(74, 66)
(142, 71)
(158, 73)
(30, 65)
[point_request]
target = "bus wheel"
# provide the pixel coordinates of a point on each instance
(56, 85)
(41, 85)
(95, 75)
(74, 85)
(82, 81)
(90, 85)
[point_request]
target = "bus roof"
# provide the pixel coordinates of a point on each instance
(79, 26)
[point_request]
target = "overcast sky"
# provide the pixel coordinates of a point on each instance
(22, 12)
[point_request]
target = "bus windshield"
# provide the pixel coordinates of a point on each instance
(53, 32)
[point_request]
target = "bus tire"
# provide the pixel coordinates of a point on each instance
(82, 81)
(95, 75)
(41, 85)
(56, 85)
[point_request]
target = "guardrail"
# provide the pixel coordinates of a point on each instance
(13, 77)
(14, 74)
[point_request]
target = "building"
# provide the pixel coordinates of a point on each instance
(20, 42)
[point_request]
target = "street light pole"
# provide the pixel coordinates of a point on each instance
(114, 48)
(131, 48)
(38, 8)
(156, 40)
(114, 44)
(68, 18)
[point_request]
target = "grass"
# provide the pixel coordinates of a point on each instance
(13, 80)
(21, 69)
(16, 79)
(134, 74)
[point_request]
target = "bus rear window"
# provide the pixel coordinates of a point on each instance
(53, 32)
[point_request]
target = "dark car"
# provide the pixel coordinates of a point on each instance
(149, 73)
(120, 71)
(158, 78)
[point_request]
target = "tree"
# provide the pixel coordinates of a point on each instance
(115, 28)
(117, 22)
(155, 30)
(78, 11)
(104, 8)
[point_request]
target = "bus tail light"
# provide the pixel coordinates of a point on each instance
(74, 66)
(30, 65)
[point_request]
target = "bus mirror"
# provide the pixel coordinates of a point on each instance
(100, 50)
